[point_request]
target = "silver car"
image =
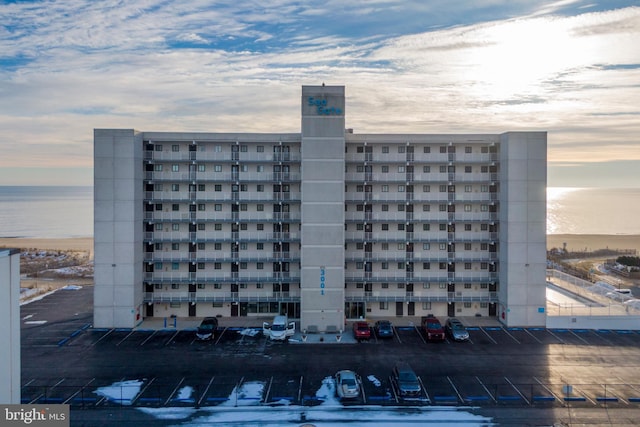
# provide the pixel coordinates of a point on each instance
(456, 330)
(347, 385)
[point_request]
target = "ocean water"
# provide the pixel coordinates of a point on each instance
(46, 212)
(54, 212)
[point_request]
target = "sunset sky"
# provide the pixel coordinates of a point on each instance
(569, 67)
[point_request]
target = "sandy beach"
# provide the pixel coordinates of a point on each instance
(575, 242)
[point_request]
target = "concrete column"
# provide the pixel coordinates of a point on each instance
(322, 208)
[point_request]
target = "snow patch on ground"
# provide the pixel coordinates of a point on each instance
(250, 332)
(123, 392)
(376, 382)
(327, 392)
(72, 288)
(35, 322)
(184, 394)
(247, 394)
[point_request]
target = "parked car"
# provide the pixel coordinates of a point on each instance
(361, 331)
(383, 329)
(432, 328)
(456, 329)
(347, 385)
(406, 381)
(207, 329)
(280, 329)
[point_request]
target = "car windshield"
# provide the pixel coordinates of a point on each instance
(206, 327)
(433, 325)
(457, 327)
(277, 328)
(363, 327)
(348, 381)
(407, 377)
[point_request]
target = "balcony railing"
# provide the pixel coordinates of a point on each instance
(222, 296)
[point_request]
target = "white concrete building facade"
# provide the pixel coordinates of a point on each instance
(10, 309)
(325, 225)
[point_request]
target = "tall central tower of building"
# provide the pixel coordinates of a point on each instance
(322, 207)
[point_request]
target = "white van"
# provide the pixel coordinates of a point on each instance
(280, 330)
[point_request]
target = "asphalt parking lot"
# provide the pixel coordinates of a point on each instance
(500, 370)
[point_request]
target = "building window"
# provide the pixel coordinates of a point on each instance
(385, 246)
(201, 226)
(174, 304)
(202, 187)
(443, 169)
(443, 227)
(217, 168)
(426, 188)
(484, 208)
(157, 266)
(484, 266)
(201, 286)
(202, 246)
(384, 305)
(217, 246)
(159, 228)
(467, 266)
(443, 149)
(385, 169)
(385, 208)
(175, 246)
(426, 150)
(401, 188)
(467, 246)
(260, 227)
(385, 227)
(385, 188)
(401, 266)
(385, 265)
(175, 168)
(217, 207)
(467, 169)
(260, 149)
(384, 285)
(175, 187)
(158, 147)
(426, 208)
(401, 169)
(426, 306)
(175, 148)
(217, 265)
(202, 168)
(401, 149)
(442, 208)
(426, 266)
(484, 188)
(201, 267)
(426, 286)
(260, 266)
(217, 227)
(426, 246)
(175, 266)
(260, 246)
(201, 206)
(467, 227)
(467, 305)
(426, 169)
(442, 286)
(385, 149)
(484, 227)
(484, 246)
(467, 150)
(467, 285)
(175, 207)
(217, 286)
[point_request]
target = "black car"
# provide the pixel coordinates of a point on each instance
(207, 329)
(383, 329)
(406, 381)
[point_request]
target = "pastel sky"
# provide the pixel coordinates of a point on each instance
(570, 67)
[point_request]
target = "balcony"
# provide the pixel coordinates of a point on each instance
(222, 296)
(426, 295)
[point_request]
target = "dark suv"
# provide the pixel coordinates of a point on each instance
(207, 329)
(406, 381)
(432, 328)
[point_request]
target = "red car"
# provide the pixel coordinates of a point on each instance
(361, 331)
(432, 328)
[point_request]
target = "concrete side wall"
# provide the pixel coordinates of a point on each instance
(10, 321)
(594, 322)
(118, 210)
(322, 207)
(522, 214)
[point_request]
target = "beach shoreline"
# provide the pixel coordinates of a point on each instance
(574, 242)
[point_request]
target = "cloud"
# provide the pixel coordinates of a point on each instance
(411, 66)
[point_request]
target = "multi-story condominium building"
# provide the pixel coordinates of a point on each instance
(325, 225)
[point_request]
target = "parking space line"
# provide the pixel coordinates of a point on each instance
(395, 333)
(141, 392)
(393, 389)
(532, 336)
(419, 334)
(424, 389)
(149, 337)
(220, 336)
(517, 391)
(171, 339)
(206, 390)
(128, 335)
(555, 336)
(579, 337)
(29, 382)
(487, 390)
(514, 338)
(70, 398)
(166, 402)
(102, 337)
(266, 394)
(456, 390)
(584, 395)
(547, 388)
(300, 390)
(364, 395)
(489, 336)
